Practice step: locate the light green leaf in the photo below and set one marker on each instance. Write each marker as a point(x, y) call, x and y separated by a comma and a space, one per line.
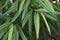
point(47, 25)
point(10, 32)
point(37, 24)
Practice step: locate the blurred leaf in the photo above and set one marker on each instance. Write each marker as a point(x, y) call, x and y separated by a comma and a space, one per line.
point(50, 16)
point(10, 32)
point(6, 24)
point(45, 34)
point(21, 33)
point(53, 29)
point(30, 14)
point(27, 16)
point(58, 23)
point(30, 25)
point(55, 7)
point(37, 24)
point(15, 33)
point(19, 12)
point(6, 2)
point(46, 4)
point(2, 32)
point(47, 25)
point(25, 8)
point(13, 8)
point(5, 36)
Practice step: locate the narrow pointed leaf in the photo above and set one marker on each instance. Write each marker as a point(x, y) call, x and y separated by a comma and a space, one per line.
point(37, 24)
point(19, 12)
point(10, 32)
point(13, 8)
point(46, 23)
point(30, 25)
point(5, 36)
point(25, 8)
point(46, 4)
point(21, 33)
point(15, 33)
point(50, 16)
point(6, 24)
point(6, 3)
point(26, 18)
point(2, 32)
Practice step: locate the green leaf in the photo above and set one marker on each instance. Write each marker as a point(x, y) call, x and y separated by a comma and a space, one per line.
point(30, 25)
point(58, 23)
point(10, 32)
point(1, 4)
point(15, 33)
point(19, 12)
point(47, 25)
point(3, 17)
point(50, 16)
point(24, 21)
point(45, 33)
point(41, 10)
point(6, 3)
point(21, 33)
point(13, 8)
point(6, 24)
point(25, 8)
point(53, 29)
point(37, 24)
point(2, 32)
point(55, 7)
point(46, 4)
point(5, 36)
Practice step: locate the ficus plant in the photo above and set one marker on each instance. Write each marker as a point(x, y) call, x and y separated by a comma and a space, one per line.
point(29, 19)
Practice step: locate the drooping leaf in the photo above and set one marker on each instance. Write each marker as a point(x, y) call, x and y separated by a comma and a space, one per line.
point(50, 16)
point(47, 25)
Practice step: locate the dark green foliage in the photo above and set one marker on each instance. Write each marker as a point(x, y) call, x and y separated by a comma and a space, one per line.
point(29, 19)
